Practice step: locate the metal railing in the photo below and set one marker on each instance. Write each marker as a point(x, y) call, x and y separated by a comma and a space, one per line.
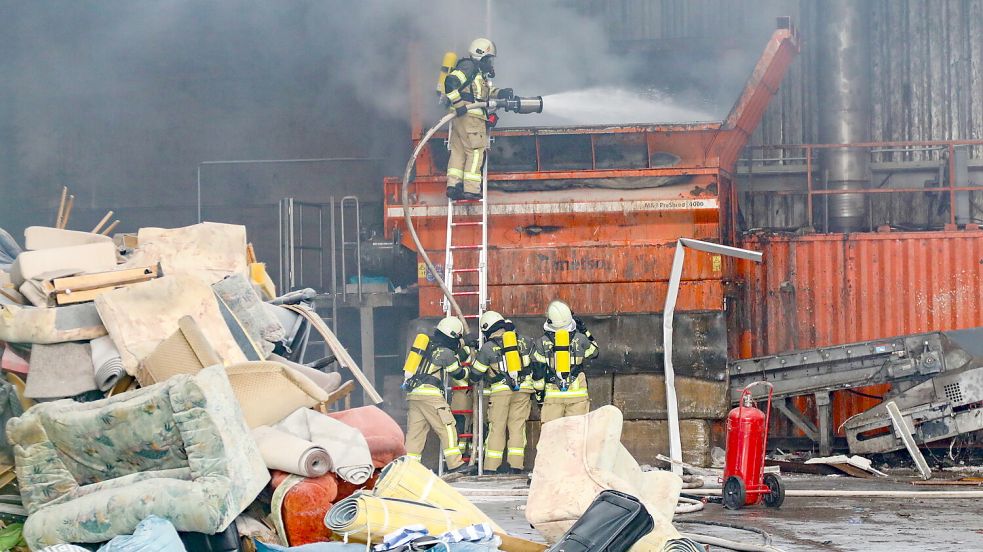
point(942, 151)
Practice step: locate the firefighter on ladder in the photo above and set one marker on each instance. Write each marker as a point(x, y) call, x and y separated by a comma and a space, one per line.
point(430, 358)
point(469, 82)
point(504, 362)
point(560, 357)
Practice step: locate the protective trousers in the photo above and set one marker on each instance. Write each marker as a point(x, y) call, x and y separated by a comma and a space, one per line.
point(463, 399)
point(554, 408)
point(507, 415)
point(426, 413)
point(468, 140)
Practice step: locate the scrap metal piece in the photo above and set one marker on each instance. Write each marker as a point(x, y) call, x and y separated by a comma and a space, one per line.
point(905, 431)
point(675, 277)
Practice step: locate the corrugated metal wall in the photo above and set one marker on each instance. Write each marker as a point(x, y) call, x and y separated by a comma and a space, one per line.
point(927, 59)
point(814, 291)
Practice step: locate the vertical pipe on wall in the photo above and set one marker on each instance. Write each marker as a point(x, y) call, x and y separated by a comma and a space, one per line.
point(844, 84)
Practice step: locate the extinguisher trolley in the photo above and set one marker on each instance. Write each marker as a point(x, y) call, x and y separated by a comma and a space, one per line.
point(745, 482)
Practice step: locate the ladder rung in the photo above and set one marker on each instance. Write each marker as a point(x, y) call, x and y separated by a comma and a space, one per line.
point(471, 316)
point(462, 411)
point(456, 293)
point(465, 270)
point(460, 387)
point(465, 435)
point(465, 247)
point(458, 201)
point(466, 223)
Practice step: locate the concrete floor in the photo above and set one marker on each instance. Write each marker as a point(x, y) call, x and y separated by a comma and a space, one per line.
point(877, 525)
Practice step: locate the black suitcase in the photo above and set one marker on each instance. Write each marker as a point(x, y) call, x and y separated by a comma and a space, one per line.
point(612, 523)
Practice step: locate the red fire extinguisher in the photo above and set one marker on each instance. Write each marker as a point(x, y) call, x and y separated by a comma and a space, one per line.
point(745, 481)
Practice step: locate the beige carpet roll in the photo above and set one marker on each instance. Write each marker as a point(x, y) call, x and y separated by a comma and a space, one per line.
point(285, 452)
point(349, 452)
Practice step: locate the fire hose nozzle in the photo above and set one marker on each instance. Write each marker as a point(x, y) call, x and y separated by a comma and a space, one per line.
point(521, 105)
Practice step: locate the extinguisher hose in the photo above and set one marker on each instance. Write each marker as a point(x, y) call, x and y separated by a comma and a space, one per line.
point(409, 220)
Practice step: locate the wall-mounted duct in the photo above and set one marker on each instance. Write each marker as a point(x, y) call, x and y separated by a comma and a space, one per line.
point(844, 99)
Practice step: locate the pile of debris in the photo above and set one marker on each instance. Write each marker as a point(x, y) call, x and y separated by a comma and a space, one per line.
point(154, 388)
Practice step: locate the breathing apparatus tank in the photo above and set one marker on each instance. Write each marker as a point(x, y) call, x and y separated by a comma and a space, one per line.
point(446, 66)
point(415, 357)
point(513, 361)
point(561, 357)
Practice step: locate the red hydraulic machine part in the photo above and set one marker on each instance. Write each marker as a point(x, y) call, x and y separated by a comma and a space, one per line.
point(745, 481)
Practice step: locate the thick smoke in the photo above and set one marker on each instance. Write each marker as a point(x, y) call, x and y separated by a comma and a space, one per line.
point(122, 99)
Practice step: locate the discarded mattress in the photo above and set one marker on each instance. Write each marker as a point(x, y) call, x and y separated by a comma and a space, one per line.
point(50, 325)
point(345, 445)
point(92, 257)
point(300, 505)
point(141, 316)
point(270, 391)
point(210, 251)
point(46, 237)
point(383, 435)
point(587, 449)
point(408, 479)
point(364, 517)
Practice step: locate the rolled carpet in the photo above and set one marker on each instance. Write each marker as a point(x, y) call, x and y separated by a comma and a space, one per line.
point(107, 362)
point(382, 433)
point(408, 479)
point(363, 517)
point(285, 452)
point(346, 446)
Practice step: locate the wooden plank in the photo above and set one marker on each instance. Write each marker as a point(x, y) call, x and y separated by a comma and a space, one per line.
point(74, 284)
point(61, 206)
point(516, 544)
point(68, 211)
point(81, 296)
point(943, 482)
point(104, 220)
point(110, 228)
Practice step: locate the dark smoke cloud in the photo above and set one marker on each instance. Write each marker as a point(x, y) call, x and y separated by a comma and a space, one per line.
point(121, 99)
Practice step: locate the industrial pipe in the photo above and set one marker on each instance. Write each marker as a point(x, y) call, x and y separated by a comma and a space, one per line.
point(844, 82)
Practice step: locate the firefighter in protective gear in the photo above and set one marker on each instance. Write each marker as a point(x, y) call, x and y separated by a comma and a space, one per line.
point(560, 357)
point(428, 361)
point(504, 361)
point(462, 399)
point(470, 82)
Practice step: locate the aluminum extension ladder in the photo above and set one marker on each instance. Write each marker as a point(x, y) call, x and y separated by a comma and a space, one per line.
point(466, 261)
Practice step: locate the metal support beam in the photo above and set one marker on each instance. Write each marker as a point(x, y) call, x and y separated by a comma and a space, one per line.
point(675, 277)
point(786, 407)
point(825, 415)
point(366, 317)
